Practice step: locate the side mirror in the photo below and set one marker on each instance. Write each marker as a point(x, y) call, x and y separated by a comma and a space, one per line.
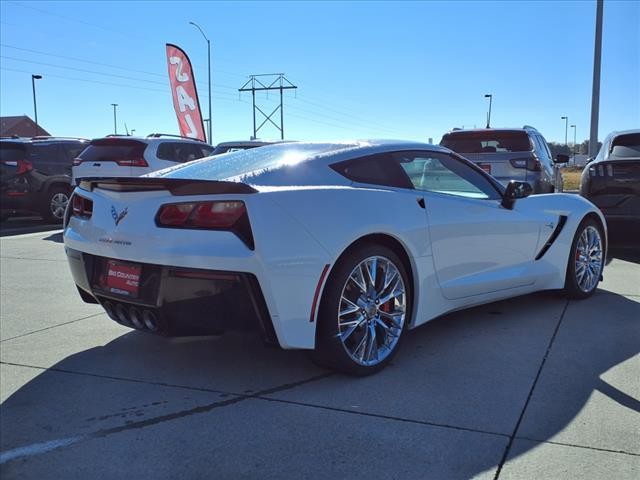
point(514, 191)
point(561, 158)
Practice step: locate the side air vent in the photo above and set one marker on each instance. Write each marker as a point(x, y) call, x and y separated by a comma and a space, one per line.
point(561, 221)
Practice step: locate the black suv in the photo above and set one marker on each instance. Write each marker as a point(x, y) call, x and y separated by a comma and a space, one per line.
point(35, 175)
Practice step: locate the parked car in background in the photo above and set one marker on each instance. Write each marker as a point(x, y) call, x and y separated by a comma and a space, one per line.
point(234, 146)
point(127, 156)
point(35, 175)
point(612, 181)
point(510, 154)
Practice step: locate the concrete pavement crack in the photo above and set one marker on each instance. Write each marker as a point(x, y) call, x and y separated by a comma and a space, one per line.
point(50, 327)
point(531, 390)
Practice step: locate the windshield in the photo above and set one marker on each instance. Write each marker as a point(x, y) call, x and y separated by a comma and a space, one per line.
point(487, 142)
point(626, 145)
point(248, 163)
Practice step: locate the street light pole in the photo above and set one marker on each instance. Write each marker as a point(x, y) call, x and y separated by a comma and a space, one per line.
point(595, 92)
point(574, 143)
point(115, 123)
point(566, 128)
point(209, 68)
point(35, 107)
point(490, 97)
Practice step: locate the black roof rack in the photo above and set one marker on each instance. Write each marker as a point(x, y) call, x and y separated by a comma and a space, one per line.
point(158, 135)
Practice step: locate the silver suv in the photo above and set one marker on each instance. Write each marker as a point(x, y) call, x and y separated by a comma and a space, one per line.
point(125, 156)
point(510, 154)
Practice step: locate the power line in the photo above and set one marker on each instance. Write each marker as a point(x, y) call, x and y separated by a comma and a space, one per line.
point(148, 89)
point(76, 59)
point(84, 70)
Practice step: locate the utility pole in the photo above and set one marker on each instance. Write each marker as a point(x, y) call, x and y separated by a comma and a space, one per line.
point(115, 124)
point(574, 144)
point(209, 65)
point(35, 107)
point(595, 94)
point(267, 82)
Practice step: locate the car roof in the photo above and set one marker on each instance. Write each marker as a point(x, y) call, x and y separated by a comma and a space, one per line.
point(41, 140)
point(458, 131)
point(617, 133)
point(250, 143)
point(154, 137)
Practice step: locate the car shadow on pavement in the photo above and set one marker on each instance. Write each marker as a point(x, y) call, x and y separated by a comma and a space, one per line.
point(467, 373)
point(55, 237)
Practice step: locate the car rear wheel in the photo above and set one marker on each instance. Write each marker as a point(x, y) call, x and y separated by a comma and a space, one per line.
point(586, 260)
point(364, 311)
point(55, 203)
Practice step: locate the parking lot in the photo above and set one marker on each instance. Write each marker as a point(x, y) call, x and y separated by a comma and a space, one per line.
point(533, 387)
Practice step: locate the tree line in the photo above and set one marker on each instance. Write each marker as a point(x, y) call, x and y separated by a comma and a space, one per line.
point(580, 148)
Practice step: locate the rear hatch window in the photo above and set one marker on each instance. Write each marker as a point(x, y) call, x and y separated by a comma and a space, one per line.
point(487, 142)
point(113, 150)
point(626, 146)
point(10, 153)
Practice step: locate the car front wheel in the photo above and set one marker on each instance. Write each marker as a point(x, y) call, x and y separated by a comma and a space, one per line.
point(586, 260)
point(364, 311)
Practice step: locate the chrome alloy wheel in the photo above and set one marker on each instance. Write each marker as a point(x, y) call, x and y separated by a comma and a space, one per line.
point(372, 310)
point(588, 257)
point(58, 204)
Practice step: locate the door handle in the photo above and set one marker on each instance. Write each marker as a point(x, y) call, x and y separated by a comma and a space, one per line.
point(421, 202)
point(96, 164)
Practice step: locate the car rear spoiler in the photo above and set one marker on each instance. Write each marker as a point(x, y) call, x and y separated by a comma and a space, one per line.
point(177, 186)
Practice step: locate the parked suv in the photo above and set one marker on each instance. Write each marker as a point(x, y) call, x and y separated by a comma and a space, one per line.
point(612, 182)
point(126, 156)
point(35, 174)
point(510, 154)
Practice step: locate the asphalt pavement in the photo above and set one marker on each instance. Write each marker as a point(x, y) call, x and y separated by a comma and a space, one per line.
point(533, 387)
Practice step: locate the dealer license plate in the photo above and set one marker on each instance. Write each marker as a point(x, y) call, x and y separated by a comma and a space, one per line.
point(121, 278)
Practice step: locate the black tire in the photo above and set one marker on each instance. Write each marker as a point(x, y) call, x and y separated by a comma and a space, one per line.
point(51, 201)
point(572, 288)
point(330, 351)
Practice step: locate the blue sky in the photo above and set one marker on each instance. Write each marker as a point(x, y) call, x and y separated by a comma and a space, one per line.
point(364, 69)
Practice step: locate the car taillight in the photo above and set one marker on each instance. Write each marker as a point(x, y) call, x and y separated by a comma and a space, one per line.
point(24, 166)
point(532, 164)
point(212, 215)
point(81, 207)
point(76, 162)
point(132, 162)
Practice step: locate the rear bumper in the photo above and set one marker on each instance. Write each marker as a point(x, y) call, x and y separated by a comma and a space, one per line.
point(177, 301)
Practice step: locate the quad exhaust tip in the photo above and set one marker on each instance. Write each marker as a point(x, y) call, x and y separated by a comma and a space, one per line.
point(132, 317)
point(150, 320)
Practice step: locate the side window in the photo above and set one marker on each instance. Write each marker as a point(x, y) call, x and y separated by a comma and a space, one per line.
point(441, 173)
point(186, 152)
point(44, 154)
point(379, 169)
point(72, 150)
point(206, 151)
point(543, 149)
point(167, 151)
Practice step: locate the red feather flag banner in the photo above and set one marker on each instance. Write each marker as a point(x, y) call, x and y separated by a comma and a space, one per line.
point(185, 93)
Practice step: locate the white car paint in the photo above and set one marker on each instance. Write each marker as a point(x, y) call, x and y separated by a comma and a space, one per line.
point(462, 251)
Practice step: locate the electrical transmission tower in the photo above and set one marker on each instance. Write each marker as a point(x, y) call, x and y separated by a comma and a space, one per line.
point(267, 82)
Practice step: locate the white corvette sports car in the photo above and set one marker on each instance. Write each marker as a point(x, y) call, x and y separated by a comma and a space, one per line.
point(339, 248)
